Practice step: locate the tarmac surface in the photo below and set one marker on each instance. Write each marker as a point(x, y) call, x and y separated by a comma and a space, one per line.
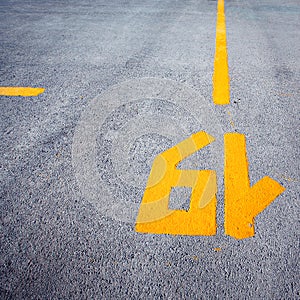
point(124, 81)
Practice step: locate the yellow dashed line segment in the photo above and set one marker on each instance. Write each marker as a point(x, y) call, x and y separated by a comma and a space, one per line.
point(20, 91)
point(221, 89)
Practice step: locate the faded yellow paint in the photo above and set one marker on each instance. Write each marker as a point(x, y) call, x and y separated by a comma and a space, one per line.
point(20, 91)
point(242, 202)
point(286, 177)
point(154, 214)
point(231, 120)
point(221, 89)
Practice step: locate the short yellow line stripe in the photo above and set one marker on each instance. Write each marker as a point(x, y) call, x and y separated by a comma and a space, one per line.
point(20, 91)
point(221, 89)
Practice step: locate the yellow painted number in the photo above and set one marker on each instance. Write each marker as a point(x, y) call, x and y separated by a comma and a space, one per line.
point(242, 202)
point(154, 215)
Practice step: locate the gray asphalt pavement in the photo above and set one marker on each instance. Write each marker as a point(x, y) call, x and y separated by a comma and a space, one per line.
point(124, 81)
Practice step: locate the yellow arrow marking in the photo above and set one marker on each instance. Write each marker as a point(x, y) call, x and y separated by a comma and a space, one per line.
point(20, 91)
point(221, 89)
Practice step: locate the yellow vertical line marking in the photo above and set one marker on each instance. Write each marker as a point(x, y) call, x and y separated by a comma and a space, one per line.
point(221, 89)
point(20, 91)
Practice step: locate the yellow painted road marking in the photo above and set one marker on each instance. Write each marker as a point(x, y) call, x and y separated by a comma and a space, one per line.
point(221, 89)
point(154, 214)
point(20, 91)
point(242, 202)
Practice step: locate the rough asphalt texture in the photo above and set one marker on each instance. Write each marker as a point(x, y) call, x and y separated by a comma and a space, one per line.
point(55, 242)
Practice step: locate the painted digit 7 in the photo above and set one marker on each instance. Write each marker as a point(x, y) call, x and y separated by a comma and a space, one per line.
point(154, 215)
